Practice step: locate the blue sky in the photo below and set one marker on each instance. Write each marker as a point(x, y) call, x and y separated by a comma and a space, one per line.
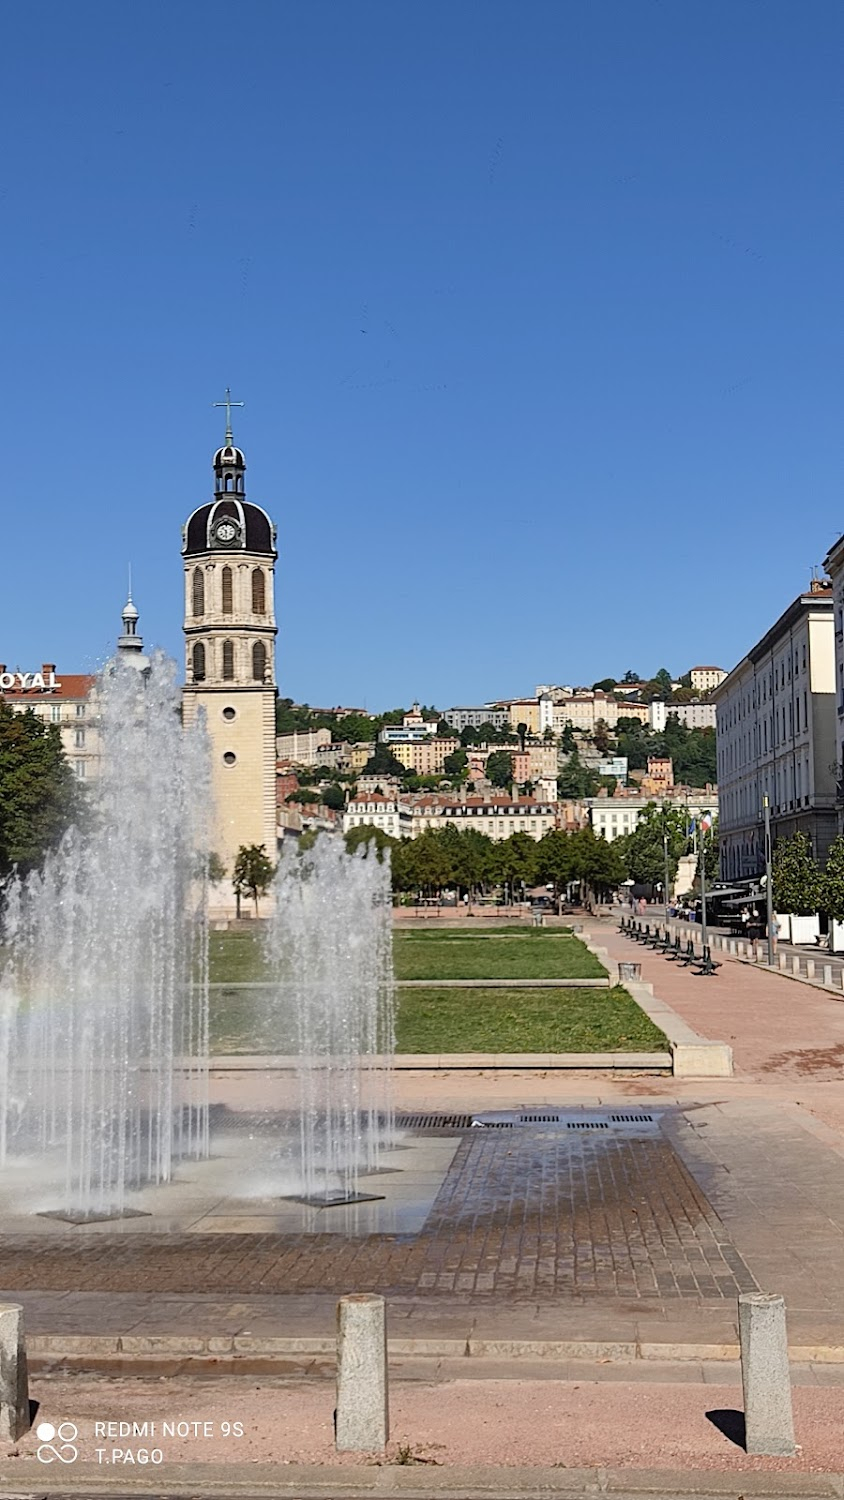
point(536, 310)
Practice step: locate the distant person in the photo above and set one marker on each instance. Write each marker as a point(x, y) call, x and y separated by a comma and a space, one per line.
point(776, 928)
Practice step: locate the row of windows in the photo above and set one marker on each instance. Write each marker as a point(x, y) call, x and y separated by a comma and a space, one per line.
point(259, 661)
point(259, 591)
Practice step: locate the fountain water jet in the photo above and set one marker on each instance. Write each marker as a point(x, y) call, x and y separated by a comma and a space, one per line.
point(104, 977)
point(329, 947)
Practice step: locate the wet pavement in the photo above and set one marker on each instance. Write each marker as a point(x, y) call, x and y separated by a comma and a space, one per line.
point(526, 1214)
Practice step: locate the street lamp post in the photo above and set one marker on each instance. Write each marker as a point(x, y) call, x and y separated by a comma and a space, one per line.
point(703, 889)
point(769, 889)
point(665, 870)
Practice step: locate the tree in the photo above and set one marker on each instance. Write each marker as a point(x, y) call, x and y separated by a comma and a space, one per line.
point(630, 677)
point(253, 872)
point(366, 834)
point(384, 763)
point(334, 797)
point(664, 678)
point(797, 881)
point(576, 780)
point(39, 798)
point(216, 868)
point(454, 765)
point(444, 729)
point(832, 888)
point(643, 849)
point(499, 768)
point(605, 685)
point(303, 794)
point(515, 860)
point(568, 743)
point(601, 737)
point(601, 864)
point(554, 859)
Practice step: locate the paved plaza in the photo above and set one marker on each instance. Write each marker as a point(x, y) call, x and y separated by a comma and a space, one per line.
point(511, 1253)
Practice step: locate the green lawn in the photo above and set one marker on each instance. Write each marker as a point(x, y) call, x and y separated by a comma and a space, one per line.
point(235, 957)
point(524, 1021)
point(532, 953)
point(478, 957)
point(433, 1020)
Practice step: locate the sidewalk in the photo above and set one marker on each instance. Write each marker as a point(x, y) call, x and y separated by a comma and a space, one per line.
point(464, 1436)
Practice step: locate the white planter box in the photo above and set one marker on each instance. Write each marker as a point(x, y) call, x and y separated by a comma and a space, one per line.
point(836, 936)
point(805, 929)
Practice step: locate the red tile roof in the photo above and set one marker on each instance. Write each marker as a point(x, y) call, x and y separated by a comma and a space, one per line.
point(68, 686)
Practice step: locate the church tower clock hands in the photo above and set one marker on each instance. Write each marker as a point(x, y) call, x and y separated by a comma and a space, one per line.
point(229, 551)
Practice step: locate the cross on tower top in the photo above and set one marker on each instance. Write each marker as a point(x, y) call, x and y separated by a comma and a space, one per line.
point(228, 404)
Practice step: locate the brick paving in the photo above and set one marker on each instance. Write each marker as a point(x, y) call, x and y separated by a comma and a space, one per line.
point(524, 1215)
point(776, 1027)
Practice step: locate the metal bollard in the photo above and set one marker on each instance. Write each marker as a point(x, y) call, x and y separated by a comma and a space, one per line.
point(765, 1377)
point(14, 1384)
point(361, 1421)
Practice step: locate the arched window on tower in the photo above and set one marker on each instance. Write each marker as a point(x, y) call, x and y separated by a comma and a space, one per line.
point(199, 662)
point(227, 591)
point(238, 484)
point(259, 592)
point(228, 483)
point(228, 661)
point(198, 592)
point(259, 661)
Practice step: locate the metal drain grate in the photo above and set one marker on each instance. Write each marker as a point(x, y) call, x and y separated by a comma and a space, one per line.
point(567, 1119)
point(433, 1122)
point(511, 1119)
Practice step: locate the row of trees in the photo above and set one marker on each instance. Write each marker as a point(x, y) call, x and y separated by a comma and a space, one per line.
point(800, 887)
point(474, 864)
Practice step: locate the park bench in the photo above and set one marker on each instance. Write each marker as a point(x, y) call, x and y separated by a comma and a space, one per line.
point(676, 948)
point(690, 956)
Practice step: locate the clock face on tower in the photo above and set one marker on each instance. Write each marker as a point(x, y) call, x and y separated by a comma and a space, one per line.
point(226, 531)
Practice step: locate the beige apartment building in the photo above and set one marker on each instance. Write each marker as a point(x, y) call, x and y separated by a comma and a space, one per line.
point(64, 699)
point(424, 757)
point(496, 816)
point(391, 814)
point(612, 817)
point(776, 736)
point(303, 746)
point(704, 679)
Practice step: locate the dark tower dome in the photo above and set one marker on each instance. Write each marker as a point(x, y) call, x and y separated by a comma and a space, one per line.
point(229, 457)
point(229, 523)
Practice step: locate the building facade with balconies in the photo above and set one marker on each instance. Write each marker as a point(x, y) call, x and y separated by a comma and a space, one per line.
point(776, 728)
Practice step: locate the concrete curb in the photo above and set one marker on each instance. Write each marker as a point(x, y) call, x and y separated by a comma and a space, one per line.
point(47, 1348)
point(382, 1478)
point(432, 1062)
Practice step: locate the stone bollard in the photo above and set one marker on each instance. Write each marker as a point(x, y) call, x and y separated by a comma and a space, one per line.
point(810, 968)
point(783, 960)
point(14, 1384)
point(795, 964)
point(361, 1421)
point(765, 1377)
point(827, 975)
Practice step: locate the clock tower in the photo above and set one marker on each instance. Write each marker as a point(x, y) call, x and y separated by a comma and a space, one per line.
point(229, 552)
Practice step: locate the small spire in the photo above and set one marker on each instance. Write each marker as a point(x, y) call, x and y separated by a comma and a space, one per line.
point(228, 404)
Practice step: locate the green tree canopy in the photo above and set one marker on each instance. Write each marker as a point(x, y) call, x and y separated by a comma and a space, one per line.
point(253, 872)
point(384, 763)
point(334, 797)
point(39, 798)
point(367, 833)
point(832, 881)
point(499, 768)
point(797, 881)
